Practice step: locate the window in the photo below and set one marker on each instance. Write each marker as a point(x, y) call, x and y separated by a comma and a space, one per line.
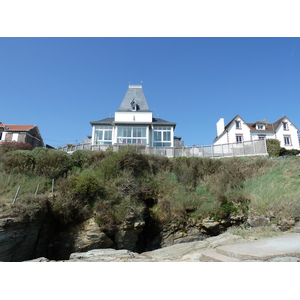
point(238, 125)
point(287, 140)
point(260, 126)
point(285, 126)
point(162, 137)
point(261, 136)
point(15, 137)
point(103, 135)
point(239, 138)
point(132, 135)
point(0, 135)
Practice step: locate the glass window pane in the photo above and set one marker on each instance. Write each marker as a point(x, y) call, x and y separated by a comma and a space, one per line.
point(167, 136)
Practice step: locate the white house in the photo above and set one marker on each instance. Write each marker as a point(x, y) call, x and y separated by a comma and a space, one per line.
point(237, 131)
point(133, 124)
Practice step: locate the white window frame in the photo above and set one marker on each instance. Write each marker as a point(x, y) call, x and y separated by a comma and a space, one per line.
point(15, 137)
point(132, 138)
point(105, 130)
point(260, 126)
point(164, 140)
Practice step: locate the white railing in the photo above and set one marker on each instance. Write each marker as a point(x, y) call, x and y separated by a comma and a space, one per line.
point(250, 148)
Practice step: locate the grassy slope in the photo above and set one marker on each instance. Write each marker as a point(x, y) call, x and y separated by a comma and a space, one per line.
point(108, 184)
point(276, 193)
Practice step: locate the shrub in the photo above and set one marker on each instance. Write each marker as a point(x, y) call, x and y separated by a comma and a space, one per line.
point(51, 163)
point(12, 146)
point(273, 147)
point(20, 161)
point(30, 207)
point(85, 158)
point(288, 152)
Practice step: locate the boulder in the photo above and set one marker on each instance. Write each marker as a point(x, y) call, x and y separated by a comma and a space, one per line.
point(258, 221)
point(79, 238)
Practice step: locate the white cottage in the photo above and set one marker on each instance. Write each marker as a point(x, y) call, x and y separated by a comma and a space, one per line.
point(133, 124)
point(237, 131)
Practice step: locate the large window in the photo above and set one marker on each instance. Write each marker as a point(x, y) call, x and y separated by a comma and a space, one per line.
point(287, 140)
point(162, 137)
point(103, 135)
point(239, 138)
point(132, 135)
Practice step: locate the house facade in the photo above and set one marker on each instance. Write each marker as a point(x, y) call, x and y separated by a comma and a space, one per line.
point(22, 134)
point(238, 131)
point(133, 124)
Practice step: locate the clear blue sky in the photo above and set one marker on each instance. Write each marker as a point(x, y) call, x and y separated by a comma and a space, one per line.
point(61, 84)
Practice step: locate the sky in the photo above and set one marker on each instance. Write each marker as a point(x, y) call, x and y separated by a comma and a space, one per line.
point(61, 84)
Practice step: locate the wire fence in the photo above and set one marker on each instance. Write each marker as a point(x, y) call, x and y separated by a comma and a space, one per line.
point(249, 148)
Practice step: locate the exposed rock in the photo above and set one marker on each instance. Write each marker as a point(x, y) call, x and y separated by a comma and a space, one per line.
point(79, 238)
point(105, 255)
point(179, 252)
point(40, 259)
point(286, 224)
point(285, 259)
point(258, 221)
point(22, 240)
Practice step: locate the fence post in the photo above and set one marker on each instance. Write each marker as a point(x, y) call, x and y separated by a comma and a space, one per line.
point(16, 196)
point(52, 188)
point(254, 148)
point(37, 189)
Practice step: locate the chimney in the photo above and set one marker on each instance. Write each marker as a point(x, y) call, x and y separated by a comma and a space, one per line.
point(220, 126)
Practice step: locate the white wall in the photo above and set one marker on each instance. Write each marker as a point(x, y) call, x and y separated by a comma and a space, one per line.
point(133, 117)
point(292, 132)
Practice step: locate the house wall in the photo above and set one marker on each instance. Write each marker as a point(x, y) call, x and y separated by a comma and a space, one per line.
point(268, 135)
point(292, 132)
point(232, 131)
point(133, 117)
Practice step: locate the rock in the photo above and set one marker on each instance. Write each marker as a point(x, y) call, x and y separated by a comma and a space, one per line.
point(284, 259)
point(104, 255)
point(40, 259)
point(258, 221)
point(286, 224)
point(127, 235)
point(79, 238)
point(23, 240)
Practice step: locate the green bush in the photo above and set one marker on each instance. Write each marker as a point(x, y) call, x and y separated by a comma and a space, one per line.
point(51, 163)
point(288, 152)
point(12, 146)
point(273, 147)
point(19, 161)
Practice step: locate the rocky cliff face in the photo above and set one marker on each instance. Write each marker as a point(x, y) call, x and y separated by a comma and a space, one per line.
point(23, 240)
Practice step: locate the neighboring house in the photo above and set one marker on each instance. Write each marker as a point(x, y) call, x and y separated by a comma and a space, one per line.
point(133, 124)
point(21, 133)
point(237, 131)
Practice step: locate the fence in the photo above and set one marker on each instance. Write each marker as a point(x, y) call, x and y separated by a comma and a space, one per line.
point(250, 148)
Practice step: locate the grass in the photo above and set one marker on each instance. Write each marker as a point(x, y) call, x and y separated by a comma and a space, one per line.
point(276, 193)
point(255, 232)
point(9, 184)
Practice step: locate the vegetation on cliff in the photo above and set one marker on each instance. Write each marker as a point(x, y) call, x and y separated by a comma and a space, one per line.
point(109, 184)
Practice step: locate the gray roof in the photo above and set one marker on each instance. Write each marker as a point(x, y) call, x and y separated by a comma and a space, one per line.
point(134, 92)
point(107, 121)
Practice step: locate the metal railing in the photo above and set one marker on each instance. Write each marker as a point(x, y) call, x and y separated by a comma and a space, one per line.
point(249, 148)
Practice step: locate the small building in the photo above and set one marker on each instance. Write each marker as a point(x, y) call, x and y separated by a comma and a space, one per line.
point(22, 134)
point(134, 124)
point(238, 131)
